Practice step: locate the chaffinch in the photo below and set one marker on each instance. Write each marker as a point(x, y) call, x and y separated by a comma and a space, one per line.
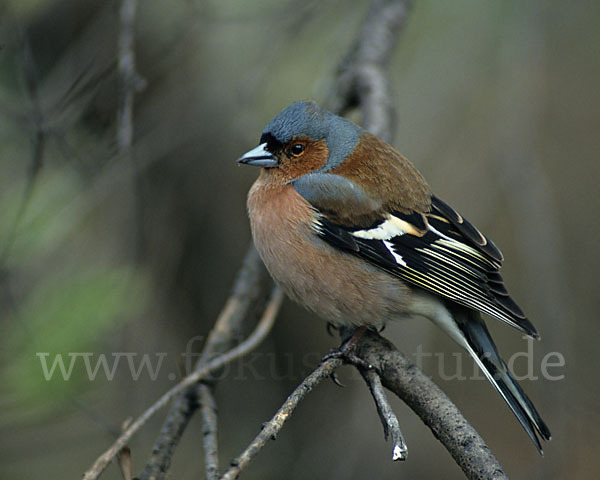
point(350, 229)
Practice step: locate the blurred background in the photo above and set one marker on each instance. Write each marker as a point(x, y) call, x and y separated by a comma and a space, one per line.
point(106, 256)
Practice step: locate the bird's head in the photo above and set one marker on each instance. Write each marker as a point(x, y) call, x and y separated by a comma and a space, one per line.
point(303, 138)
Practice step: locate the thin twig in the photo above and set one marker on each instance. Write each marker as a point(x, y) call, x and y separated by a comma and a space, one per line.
point(260, 332)
point(391, 426)
point(208, 411)
point(272, 427)
point(129, 84)
point(181, 411)
point(127, 75)
point(431, 404)
point(247, 290)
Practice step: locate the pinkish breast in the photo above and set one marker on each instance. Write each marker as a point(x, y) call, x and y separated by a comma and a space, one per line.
point(337, 286)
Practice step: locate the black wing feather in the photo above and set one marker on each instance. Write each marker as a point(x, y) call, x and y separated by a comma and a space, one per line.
point(468, 231)
point(442, 253)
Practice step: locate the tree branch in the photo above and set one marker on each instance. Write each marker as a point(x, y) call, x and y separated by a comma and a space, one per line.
point(129, 84)
point(260, 332)
point(181, 411)
point(427, 400)
point(393, 370)
point(128, 79)
point(388, 418)
point(272, 427)
point(248, 288)
point(208, 412)
point(362, 76)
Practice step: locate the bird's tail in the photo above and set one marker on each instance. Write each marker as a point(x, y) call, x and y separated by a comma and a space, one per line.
point(481, 347)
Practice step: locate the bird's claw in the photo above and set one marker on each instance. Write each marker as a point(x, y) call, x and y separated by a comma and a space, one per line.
point(347, 356)
point(336, 380)
point(330, 327)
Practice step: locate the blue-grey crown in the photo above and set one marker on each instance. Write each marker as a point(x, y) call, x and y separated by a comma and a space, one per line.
point(307, 119)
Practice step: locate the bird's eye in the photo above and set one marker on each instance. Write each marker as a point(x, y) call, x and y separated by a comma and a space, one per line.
point(296, 149)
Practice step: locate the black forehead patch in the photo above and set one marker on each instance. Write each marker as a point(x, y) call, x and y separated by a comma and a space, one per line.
point(272, 143)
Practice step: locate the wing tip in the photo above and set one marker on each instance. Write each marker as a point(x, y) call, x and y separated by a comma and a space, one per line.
point(518, 319)
point(525, 326)
point(482, 242)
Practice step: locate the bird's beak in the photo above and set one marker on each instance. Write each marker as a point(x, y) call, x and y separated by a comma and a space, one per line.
point(259, 157)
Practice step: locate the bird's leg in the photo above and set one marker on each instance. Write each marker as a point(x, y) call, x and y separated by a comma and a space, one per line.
point(346, 351)
point(349, 344)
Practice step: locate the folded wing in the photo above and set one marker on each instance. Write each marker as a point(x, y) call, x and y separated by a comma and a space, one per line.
point(438, 251)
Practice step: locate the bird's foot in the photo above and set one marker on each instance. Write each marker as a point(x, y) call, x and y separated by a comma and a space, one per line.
point(346, 352)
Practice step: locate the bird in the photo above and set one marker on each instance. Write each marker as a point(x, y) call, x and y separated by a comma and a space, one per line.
point(351, 230)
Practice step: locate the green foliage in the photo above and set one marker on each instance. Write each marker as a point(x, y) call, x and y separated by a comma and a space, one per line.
point(69, 314)
point(42, 221)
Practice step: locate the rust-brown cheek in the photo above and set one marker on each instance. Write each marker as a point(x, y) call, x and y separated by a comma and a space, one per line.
point(315, 156)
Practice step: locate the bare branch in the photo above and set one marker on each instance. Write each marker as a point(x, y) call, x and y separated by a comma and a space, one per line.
point(388, 418)
point(247, 290)
point(273, 426)
point(427, 400)
point(128, 80)
point(182, 410)
point(362, 78)
point(208, 412)
point(257, 336)
point(129, 84)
